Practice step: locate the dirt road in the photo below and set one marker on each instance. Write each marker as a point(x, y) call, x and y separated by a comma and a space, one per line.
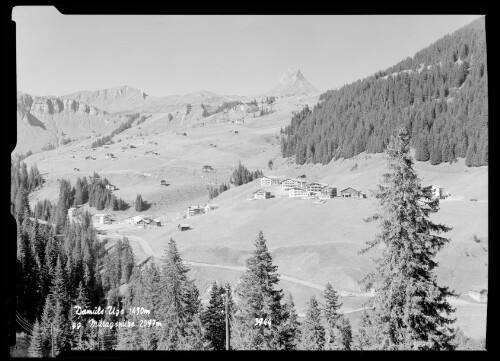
point(148, 250)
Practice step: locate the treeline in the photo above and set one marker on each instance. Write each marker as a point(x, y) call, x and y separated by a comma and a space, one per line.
point(440, 94)
point(57, 273)
point(53, 274)
point(93, 193)
point(22, 182)
point(242, 175)
point(18, 157)
point(119, 265)
point(227, 105)
point(214, 191)
point(107, 139)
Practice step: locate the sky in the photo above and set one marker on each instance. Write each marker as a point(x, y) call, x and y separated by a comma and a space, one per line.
point(231, 55)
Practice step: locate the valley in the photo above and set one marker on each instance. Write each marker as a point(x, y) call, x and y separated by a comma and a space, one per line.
point(311, 244)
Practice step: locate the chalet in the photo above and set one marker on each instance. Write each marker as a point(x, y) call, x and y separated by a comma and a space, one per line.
point(100, 218)
point(109, 155)
point(183, 227)
point(438, 192)
point(479, 295)
point(194, 210)
point(269, 181)
point(298, 192)
point(315, 187)
point(76, 169)
point(110, 187)
point(137, 219)
point(164, 183)
point(207, 169)
point(288, 184)
point(350, 192)
point(261, 194)
point(299, 183)
point(155, 223)
point(328, 192)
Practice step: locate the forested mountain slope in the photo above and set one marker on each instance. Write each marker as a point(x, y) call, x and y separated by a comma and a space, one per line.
point(441, 94)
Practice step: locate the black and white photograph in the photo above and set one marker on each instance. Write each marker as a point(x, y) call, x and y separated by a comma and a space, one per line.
point(249, 182)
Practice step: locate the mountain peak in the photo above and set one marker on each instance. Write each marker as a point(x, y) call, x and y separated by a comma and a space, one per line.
point(293, 82)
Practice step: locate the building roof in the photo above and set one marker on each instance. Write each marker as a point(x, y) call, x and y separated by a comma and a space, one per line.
point(348, 189)
point(184, 225)
point(100, 215)
point(261, 191)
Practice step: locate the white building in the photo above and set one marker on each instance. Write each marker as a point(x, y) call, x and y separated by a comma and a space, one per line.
point(269, 181)
point(298, 192)
point(100, 218)
point(438, 192)
point(261, 194)
point(288, 184)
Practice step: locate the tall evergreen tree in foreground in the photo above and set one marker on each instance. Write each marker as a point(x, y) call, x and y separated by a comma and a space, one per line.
point(213, 318)
point(410, 308)
point(332, 316)
point(313, 332)
point(291, 327)
point(180, 305)
point(259, 297)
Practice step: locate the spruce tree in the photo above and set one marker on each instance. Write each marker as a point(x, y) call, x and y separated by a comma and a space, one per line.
point(290, 329)
point(259, 297)
point(410, 308)
point(22, 206)
point(139, 204)
point(177, 294)
point(330, 310)
point(38, 344)
point(344, 338)
point(313, 332)
point(213, 319)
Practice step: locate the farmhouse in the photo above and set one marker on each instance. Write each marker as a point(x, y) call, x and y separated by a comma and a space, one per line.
point(350, 192)
point(328, 192)
point(194, 210)
point(261, 194)
point(164, 183)
point(100, 218)
point(183, 227)
point(298, 192)
point(269, 181)
point(155, 223)
point(207, 169)
point(146, 222)
point(438, 192)
point(479, 295)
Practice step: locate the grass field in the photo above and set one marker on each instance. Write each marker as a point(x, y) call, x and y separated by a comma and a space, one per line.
point(317, 243)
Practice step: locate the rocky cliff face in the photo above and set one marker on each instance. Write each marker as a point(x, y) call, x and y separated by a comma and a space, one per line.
point(48, 120)
point(292, 83)
point(113, 100)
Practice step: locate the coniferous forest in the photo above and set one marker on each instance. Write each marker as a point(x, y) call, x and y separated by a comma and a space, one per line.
point(63, 264)
point(434, 103)
point(440, 94)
